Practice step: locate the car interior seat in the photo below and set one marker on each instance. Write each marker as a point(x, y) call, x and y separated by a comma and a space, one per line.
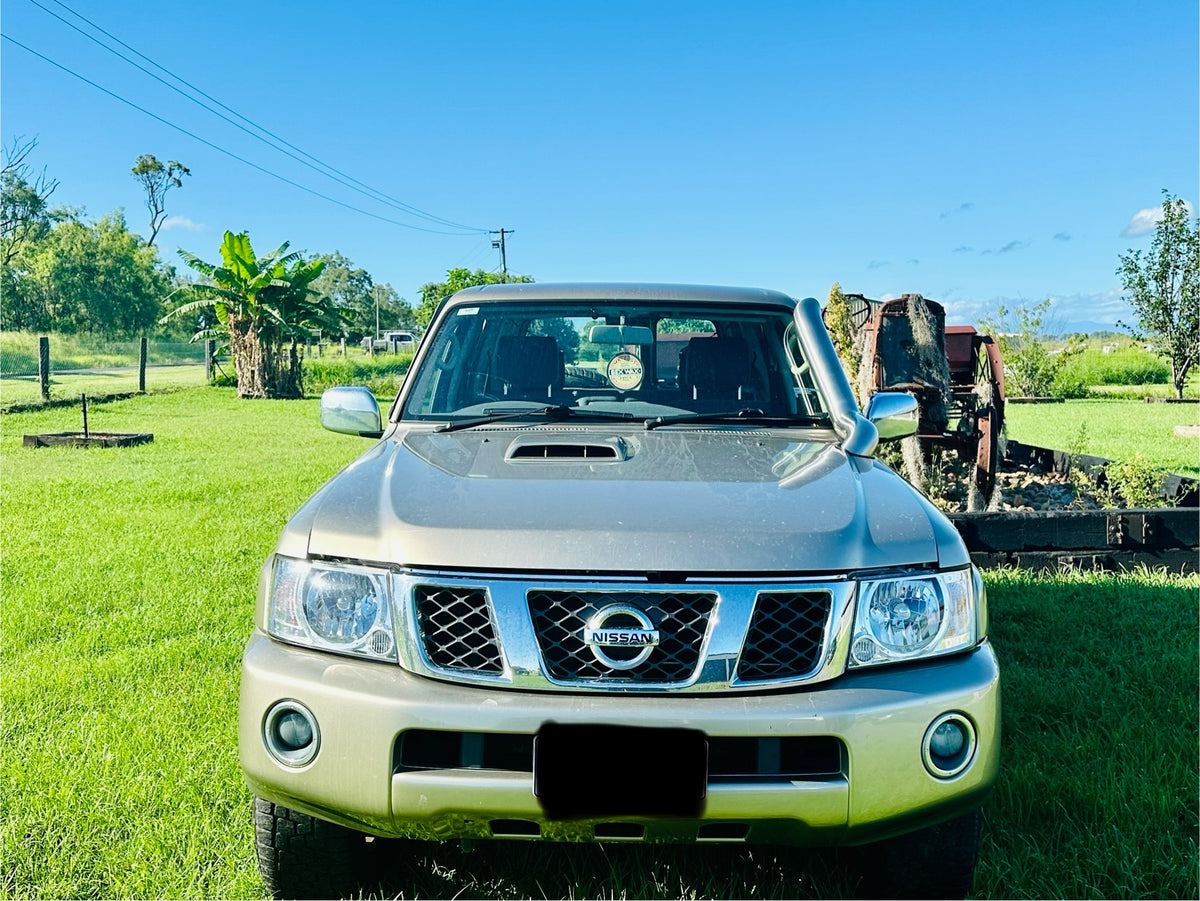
point(716, 368)
point(529, 367)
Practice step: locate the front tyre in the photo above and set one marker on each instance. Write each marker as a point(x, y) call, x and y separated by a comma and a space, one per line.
point(935, 862)
point(300, 856)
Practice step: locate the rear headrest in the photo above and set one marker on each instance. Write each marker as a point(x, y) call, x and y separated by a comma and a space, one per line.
point(715, 366)
point(531, 365)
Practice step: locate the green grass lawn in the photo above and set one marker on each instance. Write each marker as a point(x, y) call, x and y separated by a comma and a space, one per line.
point(1116, 429)
point(128, 576)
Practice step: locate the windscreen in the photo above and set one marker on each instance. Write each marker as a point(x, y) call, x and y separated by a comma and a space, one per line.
point(644, 359)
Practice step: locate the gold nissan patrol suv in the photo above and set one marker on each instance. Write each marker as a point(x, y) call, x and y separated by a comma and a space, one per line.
point(620, 565)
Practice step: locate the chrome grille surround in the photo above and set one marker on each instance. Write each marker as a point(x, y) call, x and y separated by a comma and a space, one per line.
point(519, 651)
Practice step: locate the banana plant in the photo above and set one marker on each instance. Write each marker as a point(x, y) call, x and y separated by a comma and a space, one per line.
point(266, 306)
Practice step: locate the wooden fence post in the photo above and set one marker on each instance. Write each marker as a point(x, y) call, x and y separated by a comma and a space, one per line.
point(210, 349)
point(44, 366)
point(142, 354)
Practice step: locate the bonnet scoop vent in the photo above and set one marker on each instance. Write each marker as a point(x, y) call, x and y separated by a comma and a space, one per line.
point(566, 450)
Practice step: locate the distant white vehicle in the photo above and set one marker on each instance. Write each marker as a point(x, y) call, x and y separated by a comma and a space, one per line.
point(395, 341)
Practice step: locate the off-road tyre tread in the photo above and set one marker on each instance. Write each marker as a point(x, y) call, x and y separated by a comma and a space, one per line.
point(300, 856)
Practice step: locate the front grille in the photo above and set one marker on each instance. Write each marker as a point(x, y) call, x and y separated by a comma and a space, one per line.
point(681, 619)
point(456, 629)
point(785, 636)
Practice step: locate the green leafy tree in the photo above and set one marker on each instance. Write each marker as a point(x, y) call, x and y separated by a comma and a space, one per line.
point(267, 307)
point(563, 333)
point(1164, 289)
point(81, 277)
point(1031, 366)
point(156, 180)
point(433, 293)
point(356, 295)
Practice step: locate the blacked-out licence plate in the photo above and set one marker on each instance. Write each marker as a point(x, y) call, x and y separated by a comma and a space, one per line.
point(583, 771)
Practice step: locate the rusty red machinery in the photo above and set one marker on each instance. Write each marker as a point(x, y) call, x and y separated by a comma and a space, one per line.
point(955, 372)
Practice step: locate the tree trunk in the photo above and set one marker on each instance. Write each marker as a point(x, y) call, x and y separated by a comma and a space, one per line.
point(248, 359)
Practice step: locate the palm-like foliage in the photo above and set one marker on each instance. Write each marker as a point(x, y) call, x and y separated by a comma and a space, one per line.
point(266, 306)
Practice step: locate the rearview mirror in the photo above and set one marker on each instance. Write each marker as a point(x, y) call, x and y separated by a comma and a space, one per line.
point(620, 334)
point(351, 410)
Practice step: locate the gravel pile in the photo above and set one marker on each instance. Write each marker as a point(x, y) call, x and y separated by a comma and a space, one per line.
point(1029, 491)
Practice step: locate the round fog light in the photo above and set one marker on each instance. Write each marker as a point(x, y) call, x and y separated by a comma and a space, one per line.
point(290, 734)
point(949, 745)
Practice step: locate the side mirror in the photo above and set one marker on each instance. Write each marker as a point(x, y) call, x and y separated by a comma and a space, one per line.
point(351, 411)
point(894, 414)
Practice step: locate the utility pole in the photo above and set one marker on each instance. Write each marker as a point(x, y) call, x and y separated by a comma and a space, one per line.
point(499, 243)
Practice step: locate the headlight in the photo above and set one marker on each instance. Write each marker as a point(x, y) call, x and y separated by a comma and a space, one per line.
point(917, 616)
point(332, 607)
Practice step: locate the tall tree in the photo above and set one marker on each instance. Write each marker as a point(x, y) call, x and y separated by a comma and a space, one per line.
point(86, 277)
point(25, 214)
point(157, 179)
point(433, 293)
point(1164, 289)
point(267, 307)
point(352, 291)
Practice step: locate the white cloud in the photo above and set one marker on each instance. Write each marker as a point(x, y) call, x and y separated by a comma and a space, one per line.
point(183, 222)
point(1144, 221)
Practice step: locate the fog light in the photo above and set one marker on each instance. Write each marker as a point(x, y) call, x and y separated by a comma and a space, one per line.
point(949, 745)
point(290, 734)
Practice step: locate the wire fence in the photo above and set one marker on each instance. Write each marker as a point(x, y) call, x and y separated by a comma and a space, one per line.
point(88, 365)
point(73, 353)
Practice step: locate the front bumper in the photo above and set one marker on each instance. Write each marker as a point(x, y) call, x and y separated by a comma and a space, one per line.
point(879, 716)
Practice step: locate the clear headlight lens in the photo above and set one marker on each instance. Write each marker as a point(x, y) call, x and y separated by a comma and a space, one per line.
point(918, 616)
point(332, 607)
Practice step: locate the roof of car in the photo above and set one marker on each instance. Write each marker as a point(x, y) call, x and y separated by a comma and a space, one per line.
point(572, 291)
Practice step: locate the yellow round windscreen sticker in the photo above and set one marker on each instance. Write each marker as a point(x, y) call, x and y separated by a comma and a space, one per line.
point(625, 372)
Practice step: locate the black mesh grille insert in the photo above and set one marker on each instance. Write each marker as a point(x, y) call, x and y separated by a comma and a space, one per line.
point(785, 636)
point(456, 628)
point(680, 618)
point(730, 758)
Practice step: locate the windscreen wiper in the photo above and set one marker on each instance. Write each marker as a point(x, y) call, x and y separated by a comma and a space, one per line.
point(549, 411)
point(745, 414)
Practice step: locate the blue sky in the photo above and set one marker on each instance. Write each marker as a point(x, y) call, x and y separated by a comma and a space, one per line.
point(976, 153)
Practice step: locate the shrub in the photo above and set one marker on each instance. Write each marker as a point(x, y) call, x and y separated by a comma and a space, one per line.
point(1031, 367)
point(382, 374)
point(1137, 482)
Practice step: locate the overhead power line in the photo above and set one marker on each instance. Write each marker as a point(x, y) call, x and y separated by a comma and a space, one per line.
point(222, 150)
point(334, 173)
